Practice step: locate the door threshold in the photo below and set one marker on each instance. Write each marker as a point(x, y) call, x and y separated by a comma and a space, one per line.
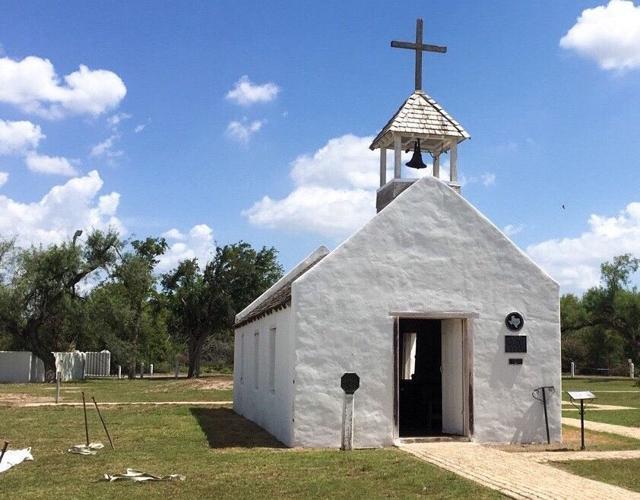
point(434, 439)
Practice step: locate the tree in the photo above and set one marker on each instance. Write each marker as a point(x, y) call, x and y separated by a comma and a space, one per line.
point(604, 325)
point(126, 306)
point(43, 297)
point(204, 303)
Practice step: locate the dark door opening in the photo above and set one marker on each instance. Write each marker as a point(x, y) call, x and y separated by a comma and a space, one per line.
point(420, 377)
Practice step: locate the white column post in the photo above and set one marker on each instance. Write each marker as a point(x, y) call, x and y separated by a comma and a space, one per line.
point(573, 369)
point(453, 162)
point(151, 369)
point(397, 164)
point(436, 166)
point(347, 423)
point(383, 166)
point(119, 372)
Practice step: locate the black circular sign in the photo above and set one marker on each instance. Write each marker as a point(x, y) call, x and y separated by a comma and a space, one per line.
point(514, 321)
point(350, 382)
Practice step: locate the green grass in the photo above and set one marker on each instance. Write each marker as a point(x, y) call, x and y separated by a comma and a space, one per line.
point(599, 383)
point(115, 390)
point(221, 454)
point(630, 418)
point(625, 473)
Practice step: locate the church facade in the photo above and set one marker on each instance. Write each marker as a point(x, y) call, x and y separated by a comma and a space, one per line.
point(452, 330)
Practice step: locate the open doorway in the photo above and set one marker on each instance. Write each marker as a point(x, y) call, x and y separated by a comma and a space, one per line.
point(430, 377)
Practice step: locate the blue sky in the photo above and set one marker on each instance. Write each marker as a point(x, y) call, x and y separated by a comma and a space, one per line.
point(154, 144)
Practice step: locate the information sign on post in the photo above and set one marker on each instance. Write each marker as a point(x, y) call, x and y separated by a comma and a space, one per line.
point(581, 396)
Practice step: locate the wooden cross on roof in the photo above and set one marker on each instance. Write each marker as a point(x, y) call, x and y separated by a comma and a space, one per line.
point(418, 47)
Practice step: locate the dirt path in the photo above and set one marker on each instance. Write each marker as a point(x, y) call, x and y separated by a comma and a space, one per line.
point(130, 403)
point(621, 430)
point(513, 474)
point(567, 456)
point(566, 406)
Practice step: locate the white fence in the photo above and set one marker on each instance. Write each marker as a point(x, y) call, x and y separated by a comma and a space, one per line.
point(23, 366)
point(70, 365)
point(97, 364)
point(20, 367)
point(77, 365)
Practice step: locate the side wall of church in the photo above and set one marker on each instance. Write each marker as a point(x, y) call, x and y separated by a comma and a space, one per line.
point(262, 373)
point(429, 250)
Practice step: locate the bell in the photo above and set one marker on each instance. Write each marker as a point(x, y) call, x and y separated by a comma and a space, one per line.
point(416, 159)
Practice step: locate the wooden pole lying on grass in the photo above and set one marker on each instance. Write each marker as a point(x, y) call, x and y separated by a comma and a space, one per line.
point(103, 423)
point(4, 450)
point(86, 425)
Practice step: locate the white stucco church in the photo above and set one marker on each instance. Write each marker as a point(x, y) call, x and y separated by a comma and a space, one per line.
point(448, 324)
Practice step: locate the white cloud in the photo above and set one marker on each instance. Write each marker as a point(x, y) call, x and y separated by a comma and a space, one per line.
point(64, 209)
point(512, 229)
point(334, 190)
point(107, 148)
point(33, 86)
point(4, 177)
point(608, 34)
point(18, 137)
point(173, 234)
point(139, 128)
point(328, 211)
point(50, 165)
point(245, 93)
point(242, 131)
point(488, 179)
point(114, 120)
point(197, 243)
point(575, 262)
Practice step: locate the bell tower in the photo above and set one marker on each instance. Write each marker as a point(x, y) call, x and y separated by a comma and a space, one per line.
point(421, 125)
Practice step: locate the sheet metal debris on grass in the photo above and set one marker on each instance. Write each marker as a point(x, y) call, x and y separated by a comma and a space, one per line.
point(139, 476)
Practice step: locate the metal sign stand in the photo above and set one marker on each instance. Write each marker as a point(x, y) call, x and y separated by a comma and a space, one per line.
point(544, 390)
point(581, 396)
point(350, 382)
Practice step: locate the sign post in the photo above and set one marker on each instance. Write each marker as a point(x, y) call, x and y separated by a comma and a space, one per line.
point(350, 382)
point(581, 396)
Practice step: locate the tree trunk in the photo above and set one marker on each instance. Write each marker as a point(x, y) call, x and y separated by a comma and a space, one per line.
point(41, 351)
point(195, 352)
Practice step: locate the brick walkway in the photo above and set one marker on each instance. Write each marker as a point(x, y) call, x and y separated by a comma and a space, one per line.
point(513, 474)
point(621, 430)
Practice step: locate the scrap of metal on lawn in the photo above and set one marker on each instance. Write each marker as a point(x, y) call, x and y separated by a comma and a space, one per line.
point(84, 449)
point(138, 476)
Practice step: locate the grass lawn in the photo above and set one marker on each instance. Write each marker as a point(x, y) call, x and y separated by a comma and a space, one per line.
point(213, 388)
point(595, 441)
point(625, 473)
point(630, 418)
point(221, 454)
point(599, 384)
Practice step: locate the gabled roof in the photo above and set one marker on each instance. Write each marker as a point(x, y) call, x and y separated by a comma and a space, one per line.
point(279, 295)
point(420, 115)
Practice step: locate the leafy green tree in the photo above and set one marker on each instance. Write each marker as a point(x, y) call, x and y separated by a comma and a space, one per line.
point(603, 327)
point(203, 303)
point(126, 307)
point(42, 303)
